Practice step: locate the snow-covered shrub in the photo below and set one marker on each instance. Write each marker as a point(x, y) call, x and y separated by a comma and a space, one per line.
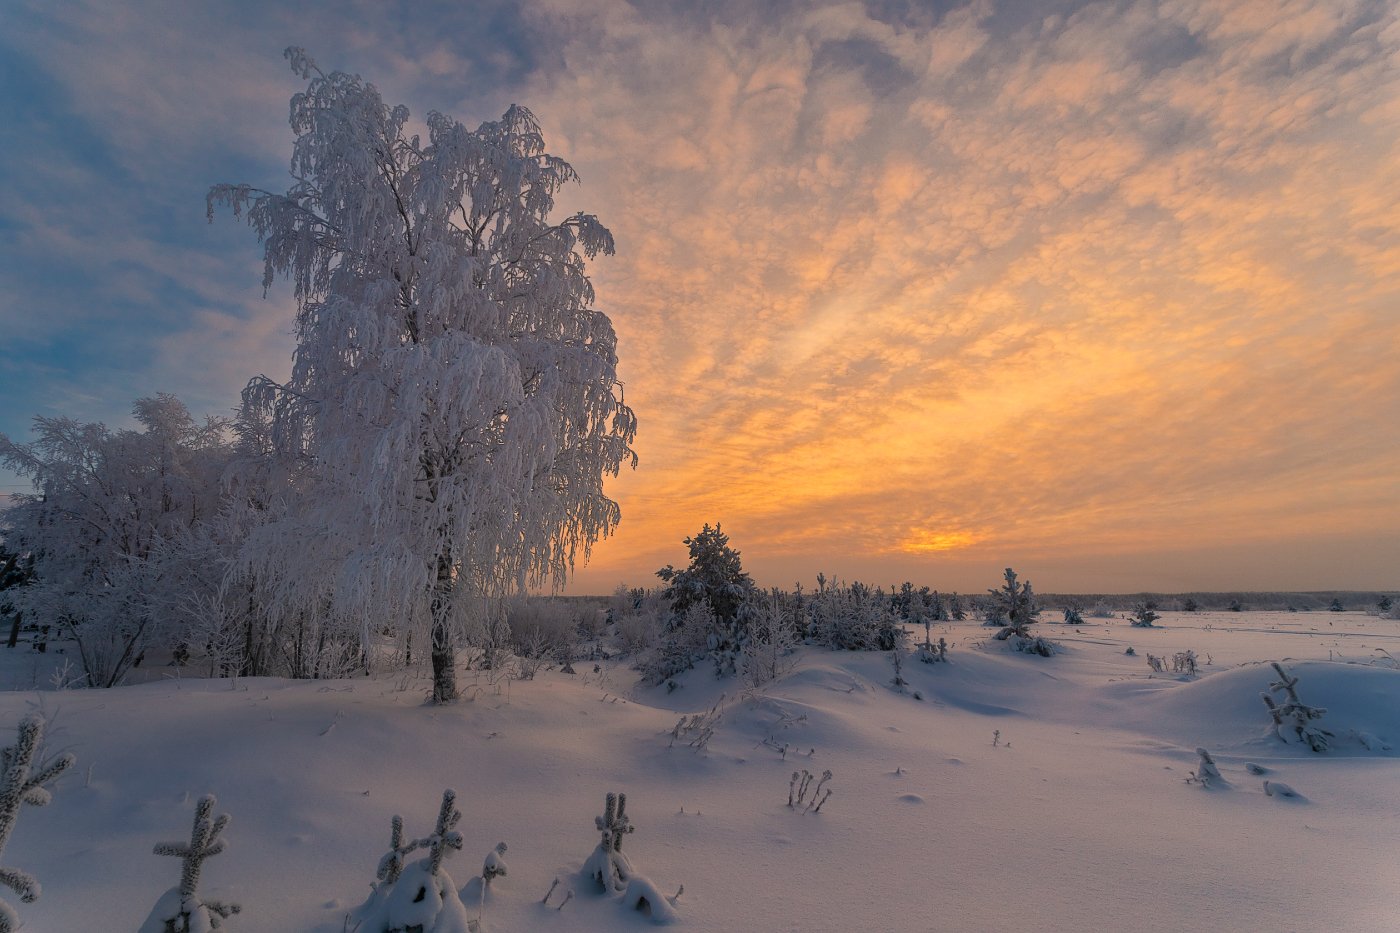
point(1074, 614)
point(22, 782)
point(1184, 662)
point(494, 865)
point(608, 866)
point(773, 638)
point(685, 641)
point(1293, 715)
point(643, 895)
point(1157, 664)
point(639, 620)
point(181, 909)
point(102, 501)
point(1101, 610)
point(852, 618)
point(542, 626)
point(697, 729)
point(1144, 614)
point(1190, 605)
point(801, 784)
point(1206, 771)
point(420, 896)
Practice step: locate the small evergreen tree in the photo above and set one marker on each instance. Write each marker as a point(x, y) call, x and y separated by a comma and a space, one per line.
point(715, 578)
point(1336, 606)
point(608, 866)
point(417, 896)
point(1144, 614)
point(1293, 714)
point(956, 612)
point(1014, 602)
point(181, 909)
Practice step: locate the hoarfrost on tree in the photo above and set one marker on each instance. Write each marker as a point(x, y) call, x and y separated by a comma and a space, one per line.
point(454, 403)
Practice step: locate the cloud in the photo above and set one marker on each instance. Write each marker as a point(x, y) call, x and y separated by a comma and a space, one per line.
point(898, 294)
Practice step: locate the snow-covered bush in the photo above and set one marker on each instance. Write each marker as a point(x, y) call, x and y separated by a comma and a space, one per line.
point(542, 626)
point(1206, 771)
point(1074, 615)
point(22, 782)
point(1144, 614)
point(608, 866)
point(801, 784)
point(638, 619)
point(494, 865)
point(1293, 715)
point(642, 895)
point(686, 639)
point(852, 618)
point(420, 896)
point(1184, 662)
point(102, 502)
point(772, 640)
point(181, 909)
point(1101, 610)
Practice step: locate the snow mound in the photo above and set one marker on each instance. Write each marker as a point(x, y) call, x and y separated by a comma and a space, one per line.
point(1224, 710)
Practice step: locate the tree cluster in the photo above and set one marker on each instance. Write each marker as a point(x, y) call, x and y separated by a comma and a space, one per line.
point(441, 443)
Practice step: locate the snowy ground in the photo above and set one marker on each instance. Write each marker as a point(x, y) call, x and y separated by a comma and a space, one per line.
point(1080, 818)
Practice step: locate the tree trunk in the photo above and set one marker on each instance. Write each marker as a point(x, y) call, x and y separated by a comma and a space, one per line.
point(444, 656)
point(14, 629)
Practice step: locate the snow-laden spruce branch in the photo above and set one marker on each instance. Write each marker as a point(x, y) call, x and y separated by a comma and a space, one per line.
point(21, 782)
point(453, 405)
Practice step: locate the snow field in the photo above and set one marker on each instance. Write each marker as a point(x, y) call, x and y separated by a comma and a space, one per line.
point(1080, 817)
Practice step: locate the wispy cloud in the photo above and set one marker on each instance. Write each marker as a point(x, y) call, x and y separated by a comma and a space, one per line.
point(908, 295)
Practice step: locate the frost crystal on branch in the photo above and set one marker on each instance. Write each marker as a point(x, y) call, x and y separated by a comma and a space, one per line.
point(21, 784)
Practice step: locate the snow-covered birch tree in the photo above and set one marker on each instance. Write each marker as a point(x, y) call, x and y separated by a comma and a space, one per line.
point(453, 404)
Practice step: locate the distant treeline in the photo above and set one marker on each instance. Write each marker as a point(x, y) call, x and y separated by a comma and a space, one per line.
point(1318, 600)
point(1351, 600)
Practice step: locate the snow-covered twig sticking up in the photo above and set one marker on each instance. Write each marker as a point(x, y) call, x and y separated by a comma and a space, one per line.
point(817, 798)
point(19, 786)
point(391, 865)
point(607, 865)
point(181, 910)
point(444, 837)
point(495, 865)
point(1206, 771)
point(1298, 714)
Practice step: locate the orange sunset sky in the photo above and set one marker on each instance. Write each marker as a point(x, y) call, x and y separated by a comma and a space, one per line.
point(1108, 292)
